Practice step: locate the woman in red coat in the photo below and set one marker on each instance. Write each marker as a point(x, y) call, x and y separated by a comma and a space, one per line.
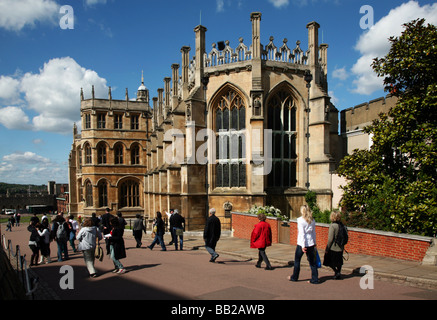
point(261, 238)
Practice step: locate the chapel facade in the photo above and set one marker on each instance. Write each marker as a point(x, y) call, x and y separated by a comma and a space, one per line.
point(231, 128)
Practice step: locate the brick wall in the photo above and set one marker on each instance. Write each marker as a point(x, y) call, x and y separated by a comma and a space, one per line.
point(361, 241)
point(243, 224)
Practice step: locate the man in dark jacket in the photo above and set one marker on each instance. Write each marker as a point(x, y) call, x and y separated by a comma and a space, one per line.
point(178, 223)
point(211, 234)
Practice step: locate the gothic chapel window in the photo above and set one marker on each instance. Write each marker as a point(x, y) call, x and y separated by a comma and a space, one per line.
point(230, 125)
point(281, 119)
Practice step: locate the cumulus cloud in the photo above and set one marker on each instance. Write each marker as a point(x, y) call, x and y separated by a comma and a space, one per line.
point(25, 158)
point(17, 14)
point(14, 118)
point(340, 73)
point(374, 42)
point(52, 94)
point(9, 90)
point(29, 167)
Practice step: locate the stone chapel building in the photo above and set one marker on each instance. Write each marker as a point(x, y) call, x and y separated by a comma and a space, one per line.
point(231, 128)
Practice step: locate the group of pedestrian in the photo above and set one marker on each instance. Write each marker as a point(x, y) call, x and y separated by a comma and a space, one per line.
point(111, 229)
point(261, 238)
point(12, 221)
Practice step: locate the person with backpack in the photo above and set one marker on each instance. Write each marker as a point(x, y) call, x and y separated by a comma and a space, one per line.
point(60, 232)
point(88, 236)
point(337, 239)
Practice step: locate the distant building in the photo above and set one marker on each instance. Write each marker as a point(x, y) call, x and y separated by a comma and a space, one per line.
point(352, 124)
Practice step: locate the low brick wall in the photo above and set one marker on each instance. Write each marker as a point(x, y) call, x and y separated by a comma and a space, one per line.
point(361, 241)
point(242, 226)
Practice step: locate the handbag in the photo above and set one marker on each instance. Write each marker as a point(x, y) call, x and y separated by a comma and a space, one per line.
point(179, 232)
point(99, 253)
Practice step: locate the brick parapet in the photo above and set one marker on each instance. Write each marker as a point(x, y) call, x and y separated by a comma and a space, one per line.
point(361, 241)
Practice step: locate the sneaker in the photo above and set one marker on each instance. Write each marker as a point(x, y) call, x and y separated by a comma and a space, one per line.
point(122, 271)
point(115, 270)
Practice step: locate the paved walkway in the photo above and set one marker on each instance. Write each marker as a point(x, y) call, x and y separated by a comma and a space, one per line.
point(411, 273)
point(399, 271)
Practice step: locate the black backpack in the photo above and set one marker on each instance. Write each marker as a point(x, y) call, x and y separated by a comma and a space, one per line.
point(342, 236)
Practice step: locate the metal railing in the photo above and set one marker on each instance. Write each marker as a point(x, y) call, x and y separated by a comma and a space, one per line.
point(29, 283)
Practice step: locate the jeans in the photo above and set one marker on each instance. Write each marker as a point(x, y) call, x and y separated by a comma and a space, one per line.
point(262, 256)
point(89, 257)
point(62, 248)
point(312, 261)
point(211, 251)
point(175, 239)
point(159, 238)
point(117, 263)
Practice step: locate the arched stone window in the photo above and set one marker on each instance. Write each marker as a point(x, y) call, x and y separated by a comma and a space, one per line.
point(101, 153)
point(230, 125)
point(129, 191)
point(88, 155)
point(135, 154)
point(281, 119)
point(118, 153)
point(88, 194)
point(103, 193)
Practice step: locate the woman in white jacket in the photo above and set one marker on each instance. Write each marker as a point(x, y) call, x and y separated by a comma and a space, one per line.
point(306, 243)
point(87, 237)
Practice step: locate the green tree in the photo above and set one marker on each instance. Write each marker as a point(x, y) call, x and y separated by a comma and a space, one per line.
point(394, 183)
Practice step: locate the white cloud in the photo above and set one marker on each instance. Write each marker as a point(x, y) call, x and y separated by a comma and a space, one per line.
point(31, 168)
point(14, 118)
point(94, 2)
point(340, 73)
point(25, 158)
point(16, 14)
point(279, 3)
point(9, 90)
point(374, 42)
point(334, 99)
point(53, 94)
point(220, 5)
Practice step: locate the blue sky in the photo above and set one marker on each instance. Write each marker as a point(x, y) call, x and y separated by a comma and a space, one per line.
point(43, 65)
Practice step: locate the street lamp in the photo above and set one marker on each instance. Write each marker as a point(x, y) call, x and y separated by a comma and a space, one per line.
point(308, 78)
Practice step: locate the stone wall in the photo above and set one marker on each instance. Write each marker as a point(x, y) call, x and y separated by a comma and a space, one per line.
point(20, 201)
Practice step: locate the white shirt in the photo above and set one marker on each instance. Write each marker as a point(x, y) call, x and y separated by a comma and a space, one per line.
point(306, 233)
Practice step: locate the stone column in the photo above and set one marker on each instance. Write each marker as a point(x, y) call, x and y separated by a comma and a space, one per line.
point(200, 53)
point(175, 88)
point(185, 66)
point(167, 101)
